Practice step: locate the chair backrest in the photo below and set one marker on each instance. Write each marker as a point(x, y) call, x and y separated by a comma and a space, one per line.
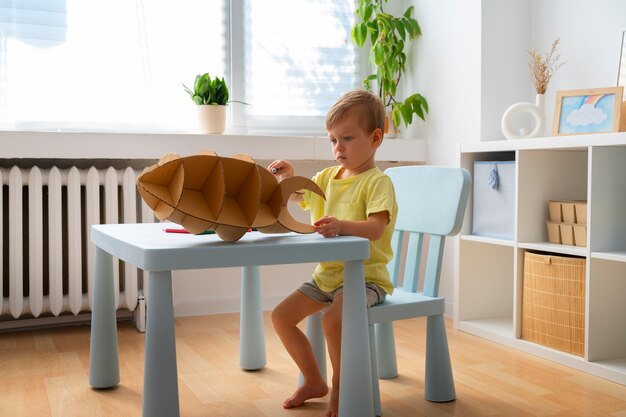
point(431, 201)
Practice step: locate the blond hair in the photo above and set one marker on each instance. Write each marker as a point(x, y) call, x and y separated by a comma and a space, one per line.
point(370, 107)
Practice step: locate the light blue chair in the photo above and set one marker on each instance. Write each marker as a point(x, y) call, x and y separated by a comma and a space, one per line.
point(431, 201)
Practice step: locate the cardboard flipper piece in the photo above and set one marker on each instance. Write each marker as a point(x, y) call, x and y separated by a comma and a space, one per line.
point(228, 195)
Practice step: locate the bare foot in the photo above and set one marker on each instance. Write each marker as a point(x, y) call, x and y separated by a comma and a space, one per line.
point(304, 393)
point(333, 404)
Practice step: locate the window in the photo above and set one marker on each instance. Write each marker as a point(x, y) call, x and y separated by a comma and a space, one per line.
point(299, 60)
point(119, 65)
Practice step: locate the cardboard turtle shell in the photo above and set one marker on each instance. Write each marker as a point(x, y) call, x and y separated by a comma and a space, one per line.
point(227, 195)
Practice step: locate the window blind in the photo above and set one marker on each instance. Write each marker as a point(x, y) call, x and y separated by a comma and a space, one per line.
point(119, 65)
point(298, 60)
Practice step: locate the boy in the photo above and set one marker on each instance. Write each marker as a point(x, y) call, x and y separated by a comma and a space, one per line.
point(360, 201)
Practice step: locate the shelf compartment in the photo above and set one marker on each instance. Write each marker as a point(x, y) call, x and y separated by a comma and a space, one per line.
point(485, 281)
point(467, 161)
point(612, 369)
point(498, 329)
point(608, 205)
point(543, 176)
point(606, 310)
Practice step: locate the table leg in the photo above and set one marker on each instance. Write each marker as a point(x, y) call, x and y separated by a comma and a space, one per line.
point(315, 334)
point(160, 376)
point(104, 368)
point(251, 334)
point(355, 387)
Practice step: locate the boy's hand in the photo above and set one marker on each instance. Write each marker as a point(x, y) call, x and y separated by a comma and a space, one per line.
point(328, 226)
point(372, 228)
point(281, 169)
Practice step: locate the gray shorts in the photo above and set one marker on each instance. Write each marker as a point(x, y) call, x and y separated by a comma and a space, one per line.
point(374, 293)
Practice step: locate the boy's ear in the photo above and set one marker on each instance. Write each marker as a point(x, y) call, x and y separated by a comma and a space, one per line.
point(377, 137)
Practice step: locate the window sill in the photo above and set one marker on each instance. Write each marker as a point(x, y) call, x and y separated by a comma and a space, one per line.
point(77, 145)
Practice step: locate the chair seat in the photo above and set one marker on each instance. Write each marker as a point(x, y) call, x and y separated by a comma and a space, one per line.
point(404, 305)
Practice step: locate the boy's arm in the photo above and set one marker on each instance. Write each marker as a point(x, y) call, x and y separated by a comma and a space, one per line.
point(372, 228)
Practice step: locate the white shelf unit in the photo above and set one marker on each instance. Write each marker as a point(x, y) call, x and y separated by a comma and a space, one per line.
point(489, 274)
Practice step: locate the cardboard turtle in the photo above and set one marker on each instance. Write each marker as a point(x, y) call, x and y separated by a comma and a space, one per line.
point(206, 192)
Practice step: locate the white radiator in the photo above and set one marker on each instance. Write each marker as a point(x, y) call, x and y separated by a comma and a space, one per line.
point(47, 257)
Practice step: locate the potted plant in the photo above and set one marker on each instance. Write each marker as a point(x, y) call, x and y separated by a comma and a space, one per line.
point(389, 35)
point(211, 98)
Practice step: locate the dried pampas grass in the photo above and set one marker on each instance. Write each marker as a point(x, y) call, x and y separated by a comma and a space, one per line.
point(543, 67)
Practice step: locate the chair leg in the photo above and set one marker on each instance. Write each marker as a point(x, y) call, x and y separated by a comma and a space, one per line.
point(375, 383)
point(386, 351)
point(315, 334)
point(439, 382)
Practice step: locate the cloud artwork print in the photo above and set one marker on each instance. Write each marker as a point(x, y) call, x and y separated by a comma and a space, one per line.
point(587, 111)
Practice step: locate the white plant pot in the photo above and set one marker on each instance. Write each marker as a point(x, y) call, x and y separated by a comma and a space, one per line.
point(211, 118)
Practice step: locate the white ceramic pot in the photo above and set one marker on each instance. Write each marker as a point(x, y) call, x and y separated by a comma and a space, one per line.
point(536, 110)
point(211, 118)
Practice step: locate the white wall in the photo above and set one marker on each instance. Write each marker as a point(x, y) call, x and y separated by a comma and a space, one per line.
point(505, 78)
point(591, 36)
point(446, 67)
point(511, 28)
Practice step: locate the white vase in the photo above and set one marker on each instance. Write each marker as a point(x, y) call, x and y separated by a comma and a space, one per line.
point(537, 112)
point(211, 118)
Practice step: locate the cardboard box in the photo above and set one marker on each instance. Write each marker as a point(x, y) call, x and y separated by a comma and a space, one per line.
point(580, 234)
point(554, 232)
point(228, 195)
point(554, 207)
point(580, 208)
point(569, 214)
point(567, 233)
point(494, 208)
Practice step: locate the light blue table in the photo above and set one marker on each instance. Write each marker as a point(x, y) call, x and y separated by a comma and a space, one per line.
point(148, 247)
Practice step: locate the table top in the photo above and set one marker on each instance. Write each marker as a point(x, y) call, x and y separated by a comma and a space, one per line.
point(149, 247)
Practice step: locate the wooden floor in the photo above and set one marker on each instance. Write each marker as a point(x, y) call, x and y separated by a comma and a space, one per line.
point(45, 373)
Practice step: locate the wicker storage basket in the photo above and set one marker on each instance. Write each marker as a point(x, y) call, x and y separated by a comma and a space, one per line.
point(553, 302)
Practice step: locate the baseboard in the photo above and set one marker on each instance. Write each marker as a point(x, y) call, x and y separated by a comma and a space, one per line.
point(58, 321)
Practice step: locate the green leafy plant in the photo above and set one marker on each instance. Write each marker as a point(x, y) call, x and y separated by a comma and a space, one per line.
point(208, 91)
point(389, 35)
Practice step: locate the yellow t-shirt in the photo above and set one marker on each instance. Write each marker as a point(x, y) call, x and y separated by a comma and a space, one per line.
point(355, 198)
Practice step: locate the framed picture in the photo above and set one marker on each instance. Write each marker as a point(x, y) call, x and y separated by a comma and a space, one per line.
point(595, 110)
